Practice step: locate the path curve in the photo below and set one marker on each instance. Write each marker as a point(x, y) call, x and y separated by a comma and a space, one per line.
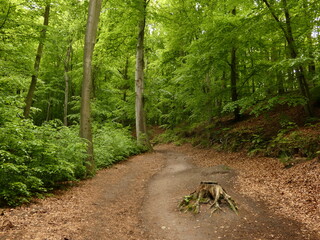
point(179, 178)
point(137, 199)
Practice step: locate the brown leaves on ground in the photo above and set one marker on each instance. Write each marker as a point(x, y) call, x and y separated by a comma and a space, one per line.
point(105, 207)
point(292, 192)
point(109, 205)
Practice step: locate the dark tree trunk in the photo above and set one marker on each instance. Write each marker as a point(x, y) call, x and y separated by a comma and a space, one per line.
point(312, 64)
point(234, 78)
point(34, 77)
point(288, 33)
point(6, 17)
point(277, 75)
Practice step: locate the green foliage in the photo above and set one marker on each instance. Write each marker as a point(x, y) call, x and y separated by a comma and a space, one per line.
point(34, 159)
point(257, 106)
point(170, 136)
point(113, 143)
point(187, 81)
point(290, 143)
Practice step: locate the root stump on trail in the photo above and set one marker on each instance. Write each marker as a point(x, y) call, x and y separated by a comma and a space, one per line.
point(207, 192)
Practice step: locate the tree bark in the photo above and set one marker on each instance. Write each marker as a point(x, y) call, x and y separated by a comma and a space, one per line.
point(34, 77)
point(67, 80)
point(288, 33)
point(85, 111)
point(141, 128)
point(277, 75)
point(234, 77)
point(312, 64)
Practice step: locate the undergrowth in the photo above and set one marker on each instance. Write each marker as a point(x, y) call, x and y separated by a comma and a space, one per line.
point(113, 143)
point(285, 140)
point(34, 160)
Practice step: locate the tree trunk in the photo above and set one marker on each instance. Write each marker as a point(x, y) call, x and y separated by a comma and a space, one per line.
point(312, 64)
point(66, 89)
point(34, 77)
point(301, 74)
point(141, 128)
point(48, 108)
point(234, 78)
point(126, 87)
point(287, 31)
point(277, 75)
point(85, 111)
point(7, 16)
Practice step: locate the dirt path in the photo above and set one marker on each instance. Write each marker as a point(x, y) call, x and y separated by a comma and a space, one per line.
point(137, 199)
point(179, 178)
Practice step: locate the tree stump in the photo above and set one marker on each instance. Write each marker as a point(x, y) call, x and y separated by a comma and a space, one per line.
point(207, 193)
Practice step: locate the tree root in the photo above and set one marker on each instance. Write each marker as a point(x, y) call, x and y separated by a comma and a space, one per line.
point(207, 192)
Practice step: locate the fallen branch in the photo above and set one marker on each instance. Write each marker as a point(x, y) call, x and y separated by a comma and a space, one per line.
point(207, 192)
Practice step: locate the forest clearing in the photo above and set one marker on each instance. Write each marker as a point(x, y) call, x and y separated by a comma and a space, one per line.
point(138, 199)
point(159, 119)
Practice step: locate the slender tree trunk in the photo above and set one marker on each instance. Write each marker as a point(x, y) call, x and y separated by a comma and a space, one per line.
point(67, 80)
point(288, 33)
point(126, 79)
point(300, 71)
point(34, 77)
point(277, 75)
point(312, 64)
point(48, 108)
point(85, 111)
point(253, 84)
point(234, 77)
point(141, 128)
point(125, 89)
point(6, 17)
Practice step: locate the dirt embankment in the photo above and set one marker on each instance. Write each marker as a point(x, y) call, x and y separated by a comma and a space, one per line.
point(137, 199)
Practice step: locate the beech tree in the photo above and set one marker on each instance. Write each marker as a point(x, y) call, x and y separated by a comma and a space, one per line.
point(287, 30)
point(141, 128)
point(34, 77)
point(67, 83)
point(85, 111)
point(234, 75)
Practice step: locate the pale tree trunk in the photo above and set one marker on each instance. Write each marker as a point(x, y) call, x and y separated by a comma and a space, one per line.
point(67, 80)
point(141, 128)
point(34, 77)
point(85, 111)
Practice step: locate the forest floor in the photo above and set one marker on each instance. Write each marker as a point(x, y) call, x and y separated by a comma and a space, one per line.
point(138, 198)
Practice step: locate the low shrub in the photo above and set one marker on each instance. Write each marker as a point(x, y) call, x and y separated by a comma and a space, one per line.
point(113, 143)
point(33, 159)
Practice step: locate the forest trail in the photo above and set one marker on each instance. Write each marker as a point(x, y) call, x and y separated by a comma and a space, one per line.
point(138, 198)
point(179, 178)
